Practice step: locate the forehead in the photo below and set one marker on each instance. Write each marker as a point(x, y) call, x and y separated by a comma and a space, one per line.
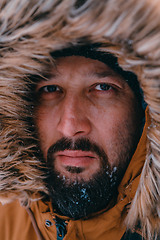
point(81, 65)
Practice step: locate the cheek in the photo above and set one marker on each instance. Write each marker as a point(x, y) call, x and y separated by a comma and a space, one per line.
point(109, 118)
point(45, 128)
point(115, 129)
point(115, 113)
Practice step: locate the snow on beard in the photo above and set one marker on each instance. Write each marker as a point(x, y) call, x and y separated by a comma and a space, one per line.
point(78, 198)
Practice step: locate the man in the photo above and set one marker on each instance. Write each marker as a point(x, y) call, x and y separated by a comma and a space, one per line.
point(73, 137)
point(86, 119)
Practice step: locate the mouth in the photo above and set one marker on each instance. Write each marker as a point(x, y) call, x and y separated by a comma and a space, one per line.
point(75, 158)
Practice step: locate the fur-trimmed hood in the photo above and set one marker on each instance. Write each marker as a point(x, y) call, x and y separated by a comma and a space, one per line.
point(29, 31)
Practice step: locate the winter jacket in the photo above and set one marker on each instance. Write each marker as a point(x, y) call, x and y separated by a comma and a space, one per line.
point(30, 30)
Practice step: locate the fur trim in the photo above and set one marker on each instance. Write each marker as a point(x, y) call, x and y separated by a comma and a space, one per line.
point(30, 30)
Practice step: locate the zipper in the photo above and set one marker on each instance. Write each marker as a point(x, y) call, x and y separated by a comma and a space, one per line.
point(61, 228)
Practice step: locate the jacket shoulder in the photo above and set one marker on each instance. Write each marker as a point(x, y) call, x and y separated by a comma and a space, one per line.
point(15, 222)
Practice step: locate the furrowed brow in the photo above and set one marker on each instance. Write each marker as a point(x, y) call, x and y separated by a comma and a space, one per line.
point(102, 74)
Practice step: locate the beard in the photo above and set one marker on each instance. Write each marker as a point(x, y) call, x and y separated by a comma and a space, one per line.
point(77, 198)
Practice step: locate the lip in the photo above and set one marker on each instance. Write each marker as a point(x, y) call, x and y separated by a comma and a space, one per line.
point(75, 158)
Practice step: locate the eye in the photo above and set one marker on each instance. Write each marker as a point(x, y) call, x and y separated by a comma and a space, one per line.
point(103, 87)
point(49, 92)
point(50, 89)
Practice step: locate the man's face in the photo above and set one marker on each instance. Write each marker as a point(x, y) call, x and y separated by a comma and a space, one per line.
point(88, 122)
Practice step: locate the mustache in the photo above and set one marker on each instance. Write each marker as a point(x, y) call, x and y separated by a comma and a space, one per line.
point(83, 144)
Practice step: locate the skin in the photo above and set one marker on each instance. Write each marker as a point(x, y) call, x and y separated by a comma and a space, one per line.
point(84, 98)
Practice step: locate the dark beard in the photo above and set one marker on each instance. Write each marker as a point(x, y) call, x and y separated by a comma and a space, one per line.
point(78, 198)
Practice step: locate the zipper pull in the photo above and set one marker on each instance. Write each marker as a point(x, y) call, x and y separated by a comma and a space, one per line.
point(61, 228)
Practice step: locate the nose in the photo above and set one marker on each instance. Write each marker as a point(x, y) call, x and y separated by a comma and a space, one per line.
point(73, 119)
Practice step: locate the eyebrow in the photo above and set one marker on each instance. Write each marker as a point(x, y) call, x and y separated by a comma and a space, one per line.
point(47, 77)
point(102, 74)
point(89, 74)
